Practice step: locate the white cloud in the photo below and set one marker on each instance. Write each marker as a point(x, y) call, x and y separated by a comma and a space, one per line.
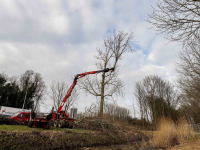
point(41, 58)
point(28, 21)
point(164, 49)
point(8, 9)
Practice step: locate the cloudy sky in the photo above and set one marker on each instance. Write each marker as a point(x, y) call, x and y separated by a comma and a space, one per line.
point(58, 38)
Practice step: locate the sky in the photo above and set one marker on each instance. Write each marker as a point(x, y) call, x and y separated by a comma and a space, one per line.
point(58, 38)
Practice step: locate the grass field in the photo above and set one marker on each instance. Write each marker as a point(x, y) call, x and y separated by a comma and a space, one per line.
point(26, 128)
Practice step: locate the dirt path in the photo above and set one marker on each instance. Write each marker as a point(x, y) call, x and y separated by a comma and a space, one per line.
point(192, 145)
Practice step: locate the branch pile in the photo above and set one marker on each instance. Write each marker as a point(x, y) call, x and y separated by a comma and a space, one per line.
point(97, 124)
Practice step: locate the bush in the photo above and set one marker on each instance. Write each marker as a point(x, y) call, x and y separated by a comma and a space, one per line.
point(8, 121)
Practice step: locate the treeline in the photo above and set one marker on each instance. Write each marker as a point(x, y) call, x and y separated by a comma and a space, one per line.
point(177, 21)
point(158, 98)
point(22, 92)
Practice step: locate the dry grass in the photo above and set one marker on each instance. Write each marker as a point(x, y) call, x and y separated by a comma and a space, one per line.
point(170, 134)
point(184, 130)
point(52, 140)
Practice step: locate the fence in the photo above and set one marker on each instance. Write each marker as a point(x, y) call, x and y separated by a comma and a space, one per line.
point(196, 127)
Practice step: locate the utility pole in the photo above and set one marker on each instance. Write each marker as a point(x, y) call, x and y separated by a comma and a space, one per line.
point(26, 92)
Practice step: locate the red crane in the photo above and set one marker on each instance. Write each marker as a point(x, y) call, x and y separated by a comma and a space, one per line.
point(78, 76)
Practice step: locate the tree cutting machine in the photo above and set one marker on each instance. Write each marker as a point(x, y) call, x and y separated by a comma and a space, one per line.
point(60, 118)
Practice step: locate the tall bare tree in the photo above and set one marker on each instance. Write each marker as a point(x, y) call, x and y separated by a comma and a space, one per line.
point(58, 92)
point(178, 20)
point(189, 78)
point(108, 84)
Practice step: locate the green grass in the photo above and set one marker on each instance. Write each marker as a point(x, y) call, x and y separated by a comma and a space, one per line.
point(26, 128)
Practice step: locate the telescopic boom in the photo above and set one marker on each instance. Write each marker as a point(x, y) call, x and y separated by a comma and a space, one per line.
point(78, 76)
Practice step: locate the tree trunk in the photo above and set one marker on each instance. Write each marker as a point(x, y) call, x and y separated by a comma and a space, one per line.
point(102, 95)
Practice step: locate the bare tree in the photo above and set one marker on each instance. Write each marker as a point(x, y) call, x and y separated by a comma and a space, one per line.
point(109, 84)
point(58, 92)
point(189, 78)
point(33, 86)
point(111, 110)
point(114, 112)
point(91, 111)
point(140, 98)
point(178, 20)
point(156, 98)
point(40, 90)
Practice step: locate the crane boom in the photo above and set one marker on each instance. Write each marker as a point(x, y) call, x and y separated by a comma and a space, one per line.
point(78, 76)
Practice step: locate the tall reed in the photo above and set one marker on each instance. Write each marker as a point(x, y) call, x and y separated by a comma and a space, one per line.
point(170, 134)
point(185, 130)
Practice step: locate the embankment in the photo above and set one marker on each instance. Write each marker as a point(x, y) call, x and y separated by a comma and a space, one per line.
point(64, 139)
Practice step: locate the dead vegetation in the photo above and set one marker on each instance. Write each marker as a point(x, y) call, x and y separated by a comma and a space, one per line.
point(102, 133)
point(8, 121)
point(63, 139)
point(97, 124)
point(170, 134)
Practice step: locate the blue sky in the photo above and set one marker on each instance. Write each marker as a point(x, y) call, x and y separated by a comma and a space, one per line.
point(58, 38)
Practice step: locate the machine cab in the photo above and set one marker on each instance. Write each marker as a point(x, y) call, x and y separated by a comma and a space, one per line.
point(21, 116)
